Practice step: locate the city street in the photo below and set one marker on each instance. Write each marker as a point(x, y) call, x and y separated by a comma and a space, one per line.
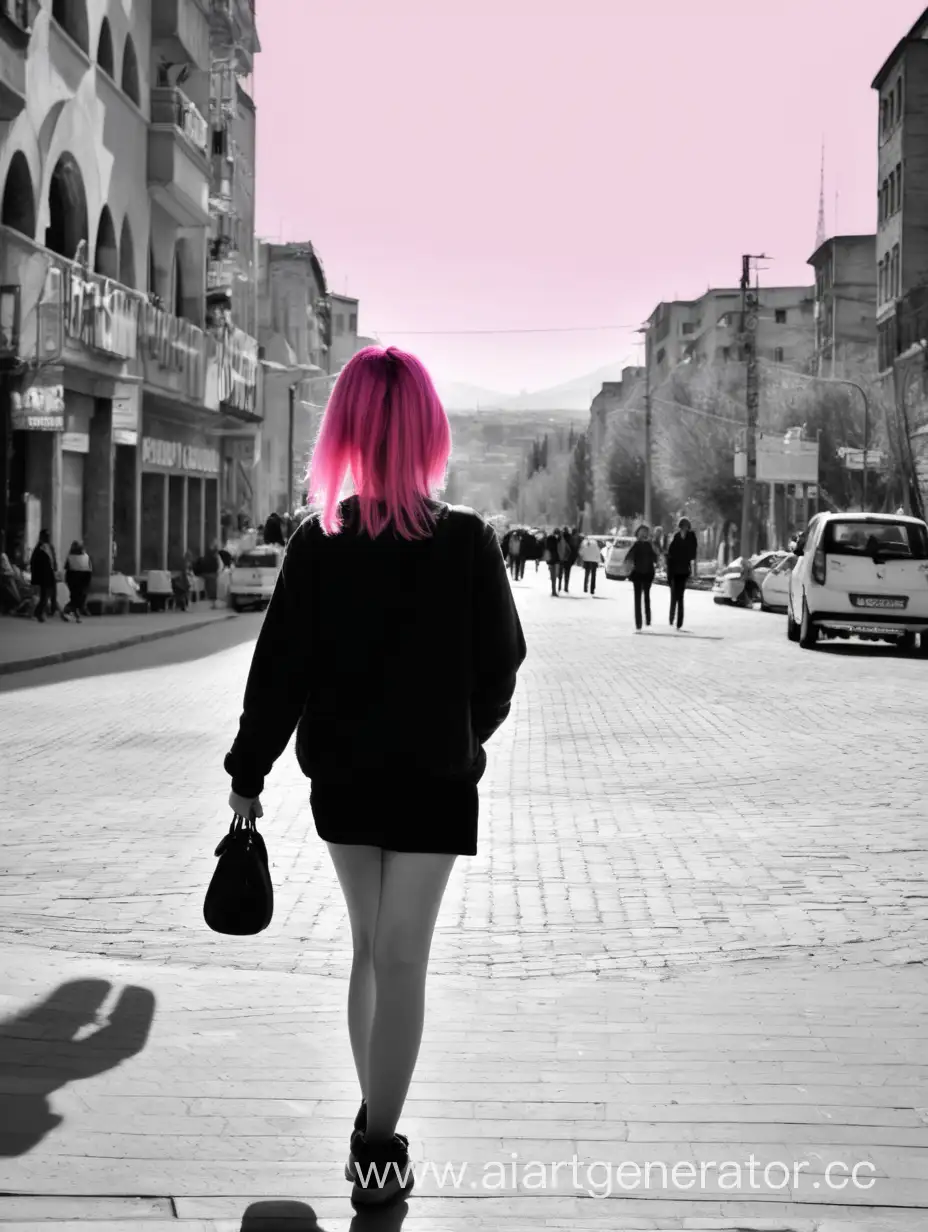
point(696, 932)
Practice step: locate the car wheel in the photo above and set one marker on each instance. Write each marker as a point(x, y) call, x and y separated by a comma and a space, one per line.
point(923, 644)
point(808, 630)
point(906, 643)
point(792, 628)
point(717, 600)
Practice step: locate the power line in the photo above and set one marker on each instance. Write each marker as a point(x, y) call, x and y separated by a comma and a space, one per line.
point(557, 329)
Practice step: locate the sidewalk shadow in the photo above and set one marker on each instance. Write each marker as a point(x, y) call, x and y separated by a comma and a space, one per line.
point(289, 1216)
point(40, 1052)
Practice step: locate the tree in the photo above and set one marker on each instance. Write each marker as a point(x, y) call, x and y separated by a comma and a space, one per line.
point(580, 478)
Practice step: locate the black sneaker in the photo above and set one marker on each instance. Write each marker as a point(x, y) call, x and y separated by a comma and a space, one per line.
point(380, 1171)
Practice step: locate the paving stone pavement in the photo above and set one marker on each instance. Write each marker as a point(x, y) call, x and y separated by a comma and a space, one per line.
point(695, 931)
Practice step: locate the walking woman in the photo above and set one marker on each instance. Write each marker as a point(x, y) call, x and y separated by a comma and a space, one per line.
point(644, 560)
point(43, 570)
point(392, 645)
point(78, 572)
point(564, 554)
point(592, 556)
point(681, 562)
point(552, 558)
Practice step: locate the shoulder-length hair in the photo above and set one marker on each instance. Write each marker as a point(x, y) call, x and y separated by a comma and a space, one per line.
point(385, 424)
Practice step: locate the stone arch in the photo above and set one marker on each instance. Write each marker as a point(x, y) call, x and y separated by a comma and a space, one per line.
point(71, 15)
point(130, 73)
point(18, 210)
point(67, 209)
point(105, 55)
point(106, 254)
point(127, 255)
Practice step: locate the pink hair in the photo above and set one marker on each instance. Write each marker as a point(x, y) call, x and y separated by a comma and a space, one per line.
point(386, 425)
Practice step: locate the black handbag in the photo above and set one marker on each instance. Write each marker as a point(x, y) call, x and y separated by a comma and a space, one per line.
point(240, 897)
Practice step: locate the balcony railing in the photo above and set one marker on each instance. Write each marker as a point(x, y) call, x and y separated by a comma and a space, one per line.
point(172, 106)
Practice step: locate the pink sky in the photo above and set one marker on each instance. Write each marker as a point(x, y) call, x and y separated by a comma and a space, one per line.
point(527, 164)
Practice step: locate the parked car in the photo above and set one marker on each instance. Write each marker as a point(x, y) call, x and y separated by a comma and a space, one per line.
point(615, 558)
point(254, 576)
point(730, 585)
point(774, 590)
point(861, 575)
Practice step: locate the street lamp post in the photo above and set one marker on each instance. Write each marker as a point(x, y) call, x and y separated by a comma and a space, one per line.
point(647, 425)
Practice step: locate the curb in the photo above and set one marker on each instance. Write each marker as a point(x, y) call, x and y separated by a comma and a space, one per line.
point(87, 652)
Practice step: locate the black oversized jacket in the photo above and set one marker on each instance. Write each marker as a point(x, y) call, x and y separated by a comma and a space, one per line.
point(392, 658)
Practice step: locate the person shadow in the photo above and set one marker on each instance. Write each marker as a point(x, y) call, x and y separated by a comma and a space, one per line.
point(287, 1216)
point(44, 1048)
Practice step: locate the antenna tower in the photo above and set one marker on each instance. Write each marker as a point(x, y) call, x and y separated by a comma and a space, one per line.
point(820, 231)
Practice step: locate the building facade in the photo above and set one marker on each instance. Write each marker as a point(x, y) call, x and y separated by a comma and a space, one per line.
point(845, 305)
point(705, 330)
point(115, 394)
point(294, 315)
point(345, 340)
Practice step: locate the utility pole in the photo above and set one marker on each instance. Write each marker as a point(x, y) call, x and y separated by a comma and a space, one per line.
point(644, 330)
point(749, 347)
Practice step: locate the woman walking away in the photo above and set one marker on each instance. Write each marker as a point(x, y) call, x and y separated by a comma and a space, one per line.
point(392, 644)
point(552, 544)
point(515, 554)
point(78, 572)
point(43, 569)
point(564, 553)
point(592, 556)
point(643, 559)
point(681, 562)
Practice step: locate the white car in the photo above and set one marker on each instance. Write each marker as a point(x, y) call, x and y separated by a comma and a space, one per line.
point(774, 590)
point(861, 575)
point(254, 576)
point(729, 587)
point(615, 558)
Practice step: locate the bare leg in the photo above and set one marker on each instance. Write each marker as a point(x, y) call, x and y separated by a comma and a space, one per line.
point(411, 892)
point(359, 871)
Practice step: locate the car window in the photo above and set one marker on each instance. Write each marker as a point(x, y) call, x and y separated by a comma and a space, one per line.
point(786, 565)
point(257, 560)
point(889, 539)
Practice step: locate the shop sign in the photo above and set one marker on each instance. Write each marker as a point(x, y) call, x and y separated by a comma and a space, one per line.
point(102, 315)
point(174, 456)
point(126, 401)
point(173, 352)
point(238, 370)
point(76, 442)
point(40, 405)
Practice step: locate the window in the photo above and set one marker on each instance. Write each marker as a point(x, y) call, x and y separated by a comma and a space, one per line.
point(659, 357)
point(339, 322)
point(891, 193)
point(874, 538)
point(898, 186)
point(897, 272)
point(899, 98)
point(891, 111)
point(778, 355)
point(780, 316)
point(353, 323)
point(881, 282)
point(726, 353)
point(220, 142)
point(105, 56)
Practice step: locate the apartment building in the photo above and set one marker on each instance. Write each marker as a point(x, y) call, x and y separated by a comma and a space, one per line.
point(706, 330)
point(611, 398)
point(345, 340)
point(115, 395)
point(845, 305)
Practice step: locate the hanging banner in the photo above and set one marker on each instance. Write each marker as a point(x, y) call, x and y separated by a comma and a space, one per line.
point(39, 407)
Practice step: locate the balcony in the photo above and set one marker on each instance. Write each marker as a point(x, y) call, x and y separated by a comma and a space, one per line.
point(14, 39)
point(180, 31)
point(178, 166)
point(221, 276)
point(233, 31)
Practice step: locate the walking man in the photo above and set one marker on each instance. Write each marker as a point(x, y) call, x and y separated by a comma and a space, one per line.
point(643, 558)
point(564, 553)
point(681, 563)
point(591, 554)
point(515, 554)
point(552, 559)
point(43, 569)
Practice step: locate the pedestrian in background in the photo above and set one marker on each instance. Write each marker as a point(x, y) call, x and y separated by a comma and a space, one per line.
point(208, 568)
point(552, 559)
point(564, 553)
point(78, 573)
point(12, 599)
point(682, 552)
point(274, 530)
point(591, 554)
point(643, 559)
point(515, 554)
point(539, 548)
point(395, 674)
point(43, 569)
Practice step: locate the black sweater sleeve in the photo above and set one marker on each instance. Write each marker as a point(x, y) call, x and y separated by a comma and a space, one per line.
point(278, 682)
point(499, 644)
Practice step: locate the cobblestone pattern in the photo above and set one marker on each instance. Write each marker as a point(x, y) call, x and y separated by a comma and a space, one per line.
point(654, 802)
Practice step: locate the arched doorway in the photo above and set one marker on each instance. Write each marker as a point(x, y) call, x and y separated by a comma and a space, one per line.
point(130, 72)
point(67, 209)
point(105, 56)
point(18, 209)
point(106, 256)
point(71, 15)
point(126, 256)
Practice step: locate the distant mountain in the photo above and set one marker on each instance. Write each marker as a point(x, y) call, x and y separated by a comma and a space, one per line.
point(459, 396)
point(575, 395)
